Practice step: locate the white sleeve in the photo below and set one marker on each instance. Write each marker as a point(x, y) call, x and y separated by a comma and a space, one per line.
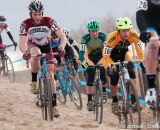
point(74, 43)
point(8, 29)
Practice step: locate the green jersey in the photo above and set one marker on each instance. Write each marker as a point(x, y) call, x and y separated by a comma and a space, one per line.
point(94, 46)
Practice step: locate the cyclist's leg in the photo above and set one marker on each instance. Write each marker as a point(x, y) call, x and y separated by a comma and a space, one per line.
point(151, 63)
point(114, 78)
point(89, 88)
point(103, 76)
point(132, 75)
point(35, 62)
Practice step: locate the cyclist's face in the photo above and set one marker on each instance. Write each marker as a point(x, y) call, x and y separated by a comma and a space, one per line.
point(2, 25)
point(37, 17)
point(94, 33)
point(124, 34)
point(55, 39)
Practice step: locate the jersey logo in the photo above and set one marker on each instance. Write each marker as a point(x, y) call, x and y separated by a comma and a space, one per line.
point(142, 5)
point(111, 40)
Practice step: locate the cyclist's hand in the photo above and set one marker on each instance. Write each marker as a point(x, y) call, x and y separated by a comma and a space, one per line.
point(79, 62)
point(26, 55)
point(84, 64)
point(61, 52)
point(145, 36)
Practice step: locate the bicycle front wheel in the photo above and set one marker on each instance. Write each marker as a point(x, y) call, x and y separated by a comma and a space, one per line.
point(75, 94)
point(9, 70)
point(98, 102)
point(46, 97)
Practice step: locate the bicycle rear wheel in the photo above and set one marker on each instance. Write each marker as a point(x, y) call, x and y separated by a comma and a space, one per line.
point(46, 97)
point(75, 94)
point(61, 96)
point(9, 70)
point(98, 102)
point(60, 89)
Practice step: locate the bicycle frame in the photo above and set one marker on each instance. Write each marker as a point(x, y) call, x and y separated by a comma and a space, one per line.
point(66, 85)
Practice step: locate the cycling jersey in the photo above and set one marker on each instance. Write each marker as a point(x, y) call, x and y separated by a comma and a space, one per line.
point(93, 46)
point(55, 44)
point(116, 49)
point(74, 44)
point(147, 15)
point(39, 34)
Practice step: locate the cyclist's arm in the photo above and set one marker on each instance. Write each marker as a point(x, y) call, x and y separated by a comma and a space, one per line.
point(138, 44)
point(90, 63)
point(142, 6)
point(83, 47)
point(63, 38)
point(9, 33)
point(22, 43)
point(106, 60)
point(139, 49)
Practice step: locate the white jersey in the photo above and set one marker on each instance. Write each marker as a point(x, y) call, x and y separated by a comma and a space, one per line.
point(39, 34)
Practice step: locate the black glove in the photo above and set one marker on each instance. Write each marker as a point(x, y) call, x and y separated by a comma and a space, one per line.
point(145, 36)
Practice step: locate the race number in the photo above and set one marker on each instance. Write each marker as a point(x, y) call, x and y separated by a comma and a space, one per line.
point(140, 45)
point(107, 50)
point(83, 47)
point(142, 5)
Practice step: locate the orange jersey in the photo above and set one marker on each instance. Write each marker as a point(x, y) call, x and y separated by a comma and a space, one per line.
point(117, 46)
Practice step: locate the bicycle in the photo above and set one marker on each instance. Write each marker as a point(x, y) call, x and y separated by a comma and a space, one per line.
point(6, 66)
point(45, 89)
point(97, 95)
point(68, 85)
point(126, 108)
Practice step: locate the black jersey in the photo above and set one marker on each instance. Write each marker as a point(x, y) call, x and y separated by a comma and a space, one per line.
point(147, 14)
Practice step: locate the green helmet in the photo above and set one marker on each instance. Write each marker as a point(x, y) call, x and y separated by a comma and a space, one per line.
point(93, 25)
point(123, 23)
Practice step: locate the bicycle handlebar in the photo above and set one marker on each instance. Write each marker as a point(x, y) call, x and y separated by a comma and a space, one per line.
point(125, 62)
point(6, 46)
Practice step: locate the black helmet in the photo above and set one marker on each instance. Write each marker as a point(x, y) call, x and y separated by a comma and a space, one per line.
point(36, 6)
point(2, 18)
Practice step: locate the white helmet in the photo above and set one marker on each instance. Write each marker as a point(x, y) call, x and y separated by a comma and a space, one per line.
point(66, 32)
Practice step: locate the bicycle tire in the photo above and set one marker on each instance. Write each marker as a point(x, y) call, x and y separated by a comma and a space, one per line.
point(98, 102)
point(75, 93)
point(9, 69)
point(47, 107)
point(131, 84)
point(61, 96)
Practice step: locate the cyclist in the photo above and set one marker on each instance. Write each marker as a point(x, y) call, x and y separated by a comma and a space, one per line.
point(148, 23)
point(92, 45)
point(69, 50)
point(4, 26)
point(116, 49)
point(71, 40)
point(38, 28)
